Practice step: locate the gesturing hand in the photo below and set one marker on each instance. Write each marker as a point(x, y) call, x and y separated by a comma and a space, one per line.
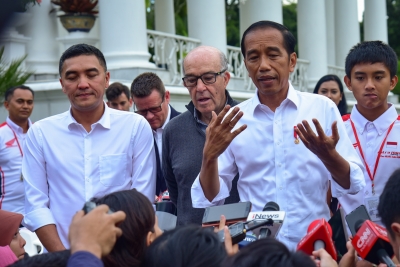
point(219, 132)
point(321, 144)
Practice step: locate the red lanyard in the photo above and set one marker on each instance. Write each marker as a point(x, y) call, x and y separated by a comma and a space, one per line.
point(378, 157)
point(19, 146)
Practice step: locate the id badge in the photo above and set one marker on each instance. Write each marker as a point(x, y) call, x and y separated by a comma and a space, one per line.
point(371, 203)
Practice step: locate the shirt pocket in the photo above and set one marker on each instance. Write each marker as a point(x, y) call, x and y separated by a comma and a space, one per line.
point(113, 169)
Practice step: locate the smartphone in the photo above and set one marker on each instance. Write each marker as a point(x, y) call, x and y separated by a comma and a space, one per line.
point(339, 231)
point(359, 214)
point(233, 213)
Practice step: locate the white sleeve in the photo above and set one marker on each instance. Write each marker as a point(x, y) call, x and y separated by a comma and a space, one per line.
point(37, 212)
point(144, 160)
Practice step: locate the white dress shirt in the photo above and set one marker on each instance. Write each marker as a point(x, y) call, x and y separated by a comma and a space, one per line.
point(158, 135)
point(273, 168)
point(64, 165)
point(12, 191)
point(371, 136)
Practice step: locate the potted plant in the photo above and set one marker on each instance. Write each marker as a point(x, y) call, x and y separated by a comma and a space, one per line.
point(79, 14)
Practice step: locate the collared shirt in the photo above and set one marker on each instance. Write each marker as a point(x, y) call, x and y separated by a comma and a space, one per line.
point(202, 124)
point(64, 165)
point(12, 191)
point(371, 136)
point(273, 168)
point(158, 134)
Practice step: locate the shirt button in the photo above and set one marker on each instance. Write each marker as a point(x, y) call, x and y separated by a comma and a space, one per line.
point(280, 188)
point(366, 192)
point(279, 165)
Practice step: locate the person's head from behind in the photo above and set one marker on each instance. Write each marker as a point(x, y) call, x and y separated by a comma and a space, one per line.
point(139, 229)
point(84, 77)
point(331, 87)
point(18, 101)
point(118, 97)
point(268, 51)
point(268, 252)
point(187, 246)
point(371, 69)
point(9, 232)
point(58, 258)
point(388, 209)
point(206, 76)
point(150, 98)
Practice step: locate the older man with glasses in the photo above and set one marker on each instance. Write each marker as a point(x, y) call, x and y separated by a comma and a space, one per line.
point(152, 102)
point(206, 78)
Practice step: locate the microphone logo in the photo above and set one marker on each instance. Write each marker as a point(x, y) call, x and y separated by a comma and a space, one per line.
point(265, 216)
point(363, 238)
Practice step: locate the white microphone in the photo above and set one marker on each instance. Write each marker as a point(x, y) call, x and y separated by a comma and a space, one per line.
point(270, 211)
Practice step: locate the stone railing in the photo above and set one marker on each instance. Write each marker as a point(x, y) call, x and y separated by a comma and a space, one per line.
point(299, 76)
point(168, 51)
point(338, 71)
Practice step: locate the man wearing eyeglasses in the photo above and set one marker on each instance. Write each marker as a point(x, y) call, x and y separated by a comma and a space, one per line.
point(206, 78)
point(152, 102)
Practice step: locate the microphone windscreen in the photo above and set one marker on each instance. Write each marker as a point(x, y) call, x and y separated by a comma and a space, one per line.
point(271, 206)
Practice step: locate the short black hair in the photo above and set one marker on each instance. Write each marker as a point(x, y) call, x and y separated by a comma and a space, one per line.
point(389, 202)
point(115, 90)
point(268, 252)
point(342, 106)
point(186, 246)
point(371, 52)
point(145, 83)
point(10, 91)
point(58, 258)
point(82, 49)
point(289, 41)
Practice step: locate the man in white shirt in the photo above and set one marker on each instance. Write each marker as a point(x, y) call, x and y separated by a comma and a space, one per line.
point(152, 102)
point(87, 151)
point(19, 104)
point(272, 162)
point(373, 125)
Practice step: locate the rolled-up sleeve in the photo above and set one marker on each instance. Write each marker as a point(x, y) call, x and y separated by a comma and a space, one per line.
point(357, 182)
point(144, 161)
point(37, 212)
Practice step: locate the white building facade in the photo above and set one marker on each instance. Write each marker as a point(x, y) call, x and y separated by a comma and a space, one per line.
point(327, 29)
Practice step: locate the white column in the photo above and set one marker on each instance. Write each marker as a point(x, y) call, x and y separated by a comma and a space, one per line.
point(206, 22)
point(375, 23)
point(255, 10)
point(123, 36)
point(330, 31)
point(311, 35)
point(347, 28)
point(164, 16)
point(42, 49)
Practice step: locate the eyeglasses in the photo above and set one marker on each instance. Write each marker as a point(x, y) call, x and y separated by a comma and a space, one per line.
point(206, 78)
point(153, 110)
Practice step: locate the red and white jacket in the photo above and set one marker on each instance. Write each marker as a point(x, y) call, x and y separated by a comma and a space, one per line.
point(12, 192)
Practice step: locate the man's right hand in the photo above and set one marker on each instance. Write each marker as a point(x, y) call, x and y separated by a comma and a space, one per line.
point(95, 232)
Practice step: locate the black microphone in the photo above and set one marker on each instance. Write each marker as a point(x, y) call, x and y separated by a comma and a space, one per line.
point(270, 206)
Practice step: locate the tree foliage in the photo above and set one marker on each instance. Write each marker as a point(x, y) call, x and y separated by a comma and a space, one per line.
point(393, 22)
point(11, 73)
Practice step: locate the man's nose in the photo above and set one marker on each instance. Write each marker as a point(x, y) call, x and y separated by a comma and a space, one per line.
point(200, 85)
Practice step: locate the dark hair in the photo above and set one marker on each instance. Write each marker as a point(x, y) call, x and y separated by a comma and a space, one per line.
point(58, 258)
point(389, 202)
point(115, 90)
point(289, 41)
point(140, 218)
point(371, 52)
point(187, 246)
point(145, 83)
point(10, 91)
point(82, 49)
point(268, 252)
point(342, 106)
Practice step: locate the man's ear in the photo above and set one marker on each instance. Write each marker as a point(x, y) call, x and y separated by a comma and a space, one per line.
point(292, 61)
point(393, 82)
point(347, 81)
point(6, 104)
point(150, 238)
point(130, 102)
point(396, 229)
point(108, 104)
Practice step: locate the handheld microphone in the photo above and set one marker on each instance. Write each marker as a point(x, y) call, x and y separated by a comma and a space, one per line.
point(270, 211)
point(319, 235)
point(372, 244)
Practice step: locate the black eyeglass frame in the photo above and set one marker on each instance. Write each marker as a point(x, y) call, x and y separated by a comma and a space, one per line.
point(200, 77)
point(152, 110)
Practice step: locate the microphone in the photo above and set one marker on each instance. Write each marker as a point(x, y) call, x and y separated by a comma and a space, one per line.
point(319, 235)
point(372, 243)
point(270, 211)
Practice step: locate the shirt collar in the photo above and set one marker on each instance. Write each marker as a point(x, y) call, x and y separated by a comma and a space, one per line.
point(291, 97)
point(104, 120)
point(16, 128)
point(381, 124)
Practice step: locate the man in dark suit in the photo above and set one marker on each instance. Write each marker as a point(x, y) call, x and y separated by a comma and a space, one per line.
point(152, 102)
